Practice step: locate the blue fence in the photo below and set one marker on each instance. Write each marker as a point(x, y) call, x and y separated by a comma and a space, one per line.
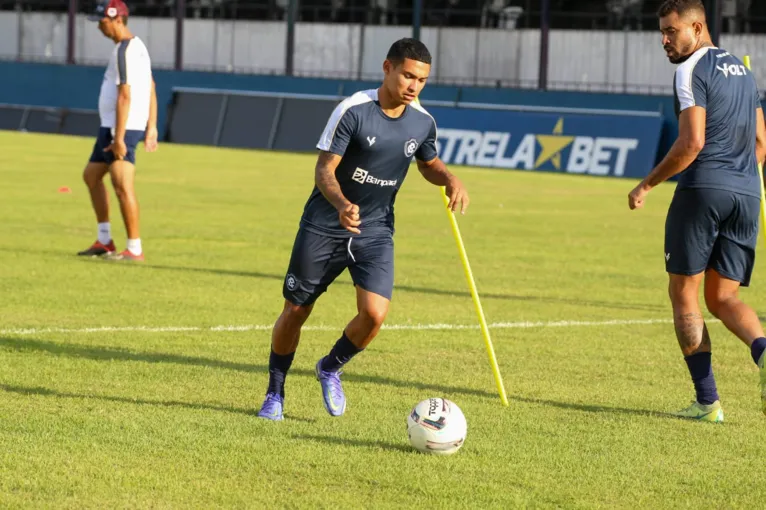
point(78, 86)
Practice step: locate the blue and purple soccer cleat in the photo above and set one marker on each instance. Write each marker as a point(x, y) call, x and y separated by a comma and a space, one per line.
point(272, 407)
point(332, 391)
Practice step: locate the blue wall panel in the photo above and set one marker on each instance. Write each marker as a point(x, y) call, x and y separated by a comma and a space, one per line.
point(605, 145)
point(77, 87)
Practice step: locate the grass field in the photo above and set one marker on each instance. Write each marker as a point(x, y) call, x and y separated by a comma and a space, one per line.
point(133, 385)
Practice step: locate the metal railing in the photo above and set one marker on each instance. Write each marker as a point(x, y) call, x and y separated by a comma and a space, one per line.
point(591, 59)
point(593, 15)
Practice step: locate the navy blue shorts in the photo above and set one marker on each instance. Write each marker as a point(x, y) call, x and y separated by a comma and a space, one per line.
point(132, 138)
point(712, 229)
point(317, 260)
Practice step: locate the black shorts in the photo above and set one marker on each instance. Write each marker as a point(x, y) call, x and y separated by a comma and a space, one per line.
point(712, 229)
point(132, 138)
point(317, 260)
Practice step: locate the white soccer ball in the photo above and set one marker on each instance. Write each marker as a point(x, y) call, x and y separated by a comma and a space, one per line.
point(436, 426)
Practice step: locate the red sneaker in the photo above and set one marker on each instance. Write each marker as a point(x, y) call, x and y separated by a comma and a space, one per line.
point(98, 249)
point(125, 255)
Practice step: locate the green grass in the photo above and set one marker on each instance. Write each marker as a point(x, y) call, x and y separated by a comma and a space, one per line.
point(167, 419)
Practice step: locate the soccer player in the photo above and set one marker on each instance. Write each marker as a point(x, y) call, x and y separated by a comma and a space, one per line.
point(712, 223)
point(127, 107)
point(348, 221)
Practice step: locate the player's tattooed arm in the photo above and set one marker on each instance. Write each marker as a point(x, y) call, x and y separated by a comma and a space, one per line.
point(324, 176)
point(435, 172)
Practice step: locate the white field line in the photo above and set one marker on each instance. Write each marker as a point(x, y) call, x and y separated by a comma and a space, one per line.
point(401, 327)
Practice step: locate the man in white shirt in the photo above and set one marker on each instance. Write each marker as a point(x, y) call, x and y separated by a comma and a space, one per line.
point(127, 106)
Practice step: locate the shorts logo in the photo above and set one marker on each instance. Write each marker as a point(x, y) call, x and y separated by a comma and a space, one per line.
point(410, 146)
point(291, 282)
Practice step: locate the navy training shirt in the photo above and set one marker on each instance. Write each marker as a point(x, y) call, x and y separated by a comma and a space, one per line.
point(719, 82)
point(376, 151)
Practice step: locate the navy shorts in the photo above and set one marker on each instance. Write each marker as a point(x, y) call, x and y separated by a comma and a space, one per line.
point(132, 138)
point(712, 229)
point(317, 260)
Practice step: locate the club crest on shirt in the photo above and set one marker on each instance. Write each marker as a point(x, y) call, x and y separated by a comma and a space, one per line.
point(410, 146)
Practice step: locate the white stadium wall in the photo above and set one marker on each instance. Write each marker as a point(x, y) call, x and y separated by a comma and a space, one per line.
point(579, 60)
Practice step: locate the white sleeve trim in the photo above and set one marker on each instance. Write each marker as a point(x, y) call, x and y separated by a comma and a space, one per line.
point(328, 135)
point(419, 107)
point(684, 77)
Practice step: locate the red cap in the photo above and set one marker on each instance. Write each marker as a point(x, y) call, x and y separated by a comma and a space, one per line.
point(111, 9)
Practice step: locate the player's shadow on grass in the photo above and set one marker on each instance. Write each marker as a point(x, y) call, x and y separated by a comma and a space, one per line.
point(100, 353)
point(589, 408)
point(363, 443)
point(47, 392)
point(427, 290)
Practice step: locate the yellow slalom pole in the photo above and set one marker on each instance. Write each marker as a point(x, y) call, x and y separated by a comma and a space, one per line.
point(476, 302)
point(746, 61)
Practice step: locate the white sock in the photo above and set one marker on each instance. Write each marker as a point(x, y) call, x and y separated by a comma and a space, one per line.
point(134, 246)
point(104, 233)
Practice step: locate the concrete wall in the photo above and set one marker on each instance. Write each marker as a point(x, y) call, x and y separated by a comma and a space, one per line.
point(579, 60)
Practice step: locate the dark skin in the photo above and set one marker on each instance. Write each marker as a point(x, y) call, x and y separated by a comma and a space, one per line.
point(681, 37)
point(402, 84)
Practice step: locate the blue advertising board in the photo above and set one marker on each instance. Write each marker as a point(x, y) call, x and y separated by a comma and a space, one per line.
point(623, 145)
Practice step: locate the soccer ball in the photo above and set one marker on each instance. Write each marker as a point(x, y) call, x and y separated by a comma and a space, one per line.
point(436, 426)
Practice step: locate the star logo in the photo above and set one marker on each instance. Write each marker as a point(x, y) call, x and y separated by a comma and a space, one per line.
point(552, 145)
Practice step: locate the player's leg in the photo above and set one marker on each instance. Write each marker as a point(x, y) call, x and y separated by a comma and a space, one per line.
point(314, 263)
point(731, 266)
point(722, 300)
point(372, 310)
point(690, 232)
point(93, 176)
point(372, 269)
point(694, 340)
point(123, 174)
point(285, 337)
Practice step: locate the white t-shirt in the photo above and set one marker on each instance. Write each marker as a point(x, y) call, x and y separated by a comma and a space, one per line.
point(129, 64)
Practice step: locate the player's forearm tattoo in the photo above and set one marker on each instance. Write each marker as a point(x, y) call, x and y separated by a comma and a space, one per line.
point(324, 175)
point(692, 333)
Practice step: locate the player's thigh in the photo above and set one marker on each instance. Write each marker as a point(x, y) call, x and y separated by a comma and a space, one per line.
point(373, 305)
point(719, 287)
point(315, 262)
point(372, 267)
point(94, 172)
point(684, 289)
point(691, 230)
point(123, 174)
point(733, 255)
